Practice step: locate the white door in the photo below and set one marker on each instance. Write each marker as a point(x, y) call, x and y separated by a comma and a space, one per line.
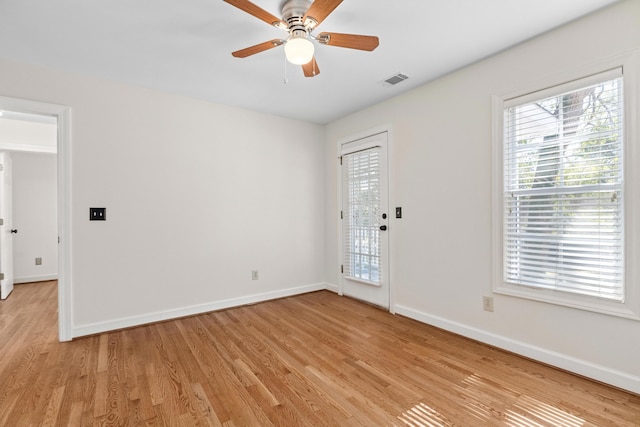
point(6, 233)
point(365, 220)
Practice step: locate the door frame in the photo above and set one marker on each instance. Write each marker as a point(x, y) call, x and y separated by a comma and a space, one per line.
point(388, 128)
point(63, 115)
point(6, 211)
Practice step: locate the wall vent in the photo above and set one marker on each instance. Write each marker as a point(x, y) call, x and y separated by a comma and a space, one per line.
point(394, 80)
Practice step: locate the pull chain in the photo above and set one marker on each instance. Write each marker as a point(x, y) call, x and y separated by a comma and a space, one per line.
point(286, 80)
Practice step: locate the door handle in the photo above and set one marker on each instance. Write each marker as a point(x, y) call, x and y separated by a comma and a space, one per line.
point(14, 231)
point(383, 227)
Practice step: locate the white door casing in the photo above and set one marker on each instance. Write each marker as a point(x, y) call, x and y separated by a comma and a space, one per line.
point(6, 234)
point(364, 213)
point(62, 114)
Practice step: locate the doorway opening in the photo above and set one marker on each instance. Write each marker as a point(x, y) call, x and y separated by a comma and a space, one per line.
point(15, 139)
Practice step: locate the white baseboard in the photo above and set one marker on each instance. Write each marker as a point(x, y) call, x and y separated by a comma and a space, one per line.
point(606, 375)
point(41, 278)
point(128, 322)
point(331, 287)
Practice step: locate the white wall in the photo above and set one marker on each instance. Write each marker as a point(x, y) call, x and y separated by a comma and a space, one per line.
point(35, 216)
point(441, 176)
point(197, 195)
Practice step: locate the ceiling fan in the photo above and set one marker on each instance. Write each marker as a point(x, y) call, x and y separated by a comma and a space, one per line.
point(299, 19)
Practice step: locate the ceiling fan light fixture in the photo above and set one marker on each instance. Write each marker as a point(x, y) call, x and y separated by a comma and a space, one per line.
point(299, 19)
point(299, 50)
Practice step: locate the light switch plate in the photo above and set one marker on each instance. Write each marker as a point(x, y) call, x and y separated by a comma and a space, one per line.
point(97, 214)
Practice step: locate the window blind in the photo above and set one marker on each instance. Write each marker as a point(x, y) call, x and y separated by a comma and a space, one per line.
point(563, 197)
point(361, 213)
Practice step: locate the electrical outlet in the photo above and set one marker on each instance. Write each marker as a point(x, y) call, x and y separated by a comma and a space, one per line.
point(487, 303)
point(254, 274)
point(38, 261)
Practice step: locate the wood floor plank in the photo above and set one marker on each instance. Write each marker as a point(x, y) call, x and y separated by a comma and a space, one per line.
point(311, 360)
point(53, 408)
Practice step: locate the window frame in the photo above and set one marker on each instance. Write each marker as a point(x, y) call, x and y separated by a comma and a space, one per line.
point(547, 86)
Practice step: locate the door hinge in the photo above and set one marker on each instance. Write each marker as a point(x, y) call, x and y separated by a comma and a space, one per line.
point(1, 221)
point(340, 160)
point(342, 269)
point(341, 216)
point(1, 276)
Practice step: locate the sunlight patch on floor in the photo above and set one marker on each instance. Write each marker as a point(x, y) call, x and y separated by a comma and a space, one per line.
point(422, 415)
point(527, 410)
point(518, 411)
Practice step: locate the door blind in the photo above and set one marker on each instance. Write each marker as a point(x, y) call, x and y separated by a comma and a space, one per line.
point(361, 215)
point(563, 194)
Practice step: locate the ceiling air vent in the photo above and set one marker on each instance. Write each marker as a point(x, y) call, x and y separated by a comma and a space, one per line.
point(394, 80)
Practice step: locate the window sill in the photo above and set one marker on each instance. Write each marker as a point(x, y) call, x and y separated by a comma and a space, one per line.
point(580, 302)
point(363, 281)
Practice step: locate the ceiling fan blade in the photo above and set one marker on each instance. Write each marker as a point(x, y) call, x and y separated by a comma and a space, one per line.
point(252, 50)
point(258, 12)
point(318, 11)
point(310, 69)
point(351, 41)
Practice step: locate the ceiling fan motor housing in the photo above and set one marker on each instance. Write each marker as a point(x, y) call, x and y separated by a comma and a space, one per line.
point(292, 13)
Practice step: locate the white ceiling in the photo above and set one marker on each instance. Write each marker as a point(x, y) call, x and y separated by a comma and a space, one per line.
point(185, 46)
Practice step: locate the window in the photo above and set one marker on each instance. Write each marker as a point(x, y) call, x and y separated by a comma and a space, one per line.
point(562, 194)
point(361, 192)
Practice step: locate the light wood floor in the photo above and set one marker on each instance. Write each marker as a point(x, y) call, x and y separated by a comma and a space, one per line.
point(315, 359)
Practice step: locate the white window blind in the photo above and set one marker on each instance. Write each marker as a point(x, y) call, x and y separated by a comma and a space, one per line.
point(361, 204)
point(563, 193)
